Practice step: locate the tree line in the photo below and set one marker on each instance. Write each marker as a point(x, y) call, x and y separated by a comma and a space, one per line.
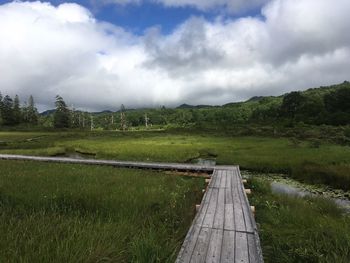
point(65, 117)
point(324, 105)
point(13, 113)
point(332, 108)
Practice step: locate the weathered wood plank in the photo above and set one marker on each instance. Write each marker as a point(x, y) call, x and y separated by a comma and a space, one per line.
point(228, 247)
point(228, 192)
point(200, 251)
point(237, 207)
point(203, 208)
point(218, 178)
point(223, 179)
point(241, 248)
point(229, 223)
point(214, 179)
point(247, 213)
point(209, 216)
point(253, 248)
point(215, 243)
point(219, 218)
point(143, 165)
point(189, 244)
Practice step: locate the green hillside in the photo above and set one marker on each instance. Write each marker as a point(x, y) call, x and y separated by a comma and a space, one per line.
point(316, 106)
point(323, 105)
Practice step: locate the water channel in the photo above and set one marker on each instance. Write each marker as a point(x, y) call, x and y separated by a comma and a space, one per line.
point(282, 184)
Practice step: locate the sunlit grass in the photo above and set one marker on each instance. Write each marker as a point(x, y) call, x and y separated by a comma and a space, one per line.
point(254, 153)
point(296, 229)
point(74, 213)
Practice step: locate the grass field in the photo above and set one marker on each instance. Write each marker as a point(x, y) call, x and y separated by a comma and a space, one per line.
point(102, 214)
point(294, 230)
point(322, 163)
point(74, 213)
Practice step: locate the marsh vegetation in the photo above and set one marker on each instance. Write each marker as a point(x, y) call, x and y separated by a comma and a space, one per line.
point(74, 213)
point(295, 229)
point(328, 163)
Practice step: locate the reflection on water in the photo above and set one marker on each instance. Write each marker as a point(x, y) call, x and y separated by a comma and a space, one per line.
point(204, 162)
point(282, 188)
point(283, 184)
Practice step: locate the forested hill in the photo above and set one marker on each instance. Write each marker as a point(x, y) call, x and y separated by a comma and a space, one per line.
point(324, 105)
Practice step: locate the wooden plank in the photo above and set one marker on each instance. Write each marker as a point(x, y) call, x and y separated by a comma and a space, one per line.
point(214, 177)
point(218, 177)
point(210, 214)
point(223, 179)
point(189, 244)
point(220, 210)
point(237, 207)
point(228, 247)
point(142, 165)
point(253, 249)
point(241, 248)
point(229, 222)
point(228, 192)
point(214, 248)
point(204, 207)
point(245, 204)
point(200, 251)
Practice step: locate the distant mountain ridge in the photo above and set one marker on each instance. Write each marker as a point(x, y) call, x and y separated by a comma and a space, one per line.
point(320, 91)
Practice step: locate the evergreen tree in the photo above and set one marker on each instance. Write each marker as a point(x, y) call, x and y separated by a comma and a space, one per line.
point(1, 106)
point(122, 118)
point(62, 114)
point(7, 111)
point(32, 112)
point(75, 118)
point(25, 112)
point(17, 115)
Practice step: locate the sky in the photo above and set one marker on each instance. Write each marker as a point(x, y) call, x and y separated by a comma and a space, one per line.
point(99, 54)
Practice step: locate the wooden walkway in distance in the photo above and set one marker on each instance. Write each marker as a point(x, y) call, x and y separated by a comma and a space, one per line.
point(224, 229)
point(125, 164)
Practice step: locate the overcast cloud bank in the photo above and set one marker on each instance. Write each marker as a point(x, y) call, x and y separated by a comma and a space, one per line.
point(47, 50)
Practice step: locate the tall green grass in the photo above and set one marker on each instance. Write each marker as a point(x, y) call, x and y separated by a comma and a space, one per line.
point(75, 213)
point(296, 229)
point(263, 154)
point(335, 175)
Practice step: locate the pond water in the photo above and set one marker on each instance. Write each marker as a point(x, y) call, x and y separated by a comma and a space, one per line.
point(281, 184)
point(204, 162)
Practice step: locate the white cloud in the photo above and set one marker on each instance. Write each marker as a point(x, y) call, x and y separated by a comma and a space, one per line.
point(47, 50)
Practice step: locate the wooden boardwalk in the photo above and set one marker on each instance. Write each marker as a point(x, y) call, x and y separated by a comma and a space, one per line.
point(125, 164)
point(224, 229)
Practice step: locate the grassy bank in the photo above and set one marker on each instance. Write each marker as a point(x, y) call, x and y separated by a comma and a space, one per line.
point(321, 162)
point(74, 213)
point(300, 229)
